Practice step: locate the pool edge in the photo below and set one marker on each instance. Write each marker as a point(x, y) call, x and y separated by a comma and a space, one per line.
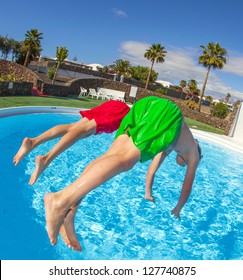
point(21, 110)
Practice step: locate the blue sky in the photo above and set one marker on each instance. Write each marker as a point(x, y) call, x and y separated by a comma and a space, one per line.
point(104, 31)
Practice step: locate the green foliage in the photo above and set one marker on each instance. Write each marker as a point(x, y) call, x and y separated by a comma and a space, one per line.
point(161, 91)
point(212, 56)
point(32, 44)
point(9, 46)
point(155, 54)
point(51, 72)
point(9, 78)
point(219, 110)
point(2, 78)
point(183, 83)
point(190, 103)
point(61, 54)
point(209, 98)
point(192, 86)
point(121, 67)
point(140, 73)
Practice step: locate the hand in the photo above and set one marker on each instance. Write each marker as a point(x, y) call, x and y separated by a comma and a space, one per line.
point(150, 197)
point(176, 213)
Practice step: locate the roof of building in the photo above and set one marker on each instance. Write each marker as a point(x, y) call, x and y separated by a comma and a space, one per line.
point(95, 66)
point(164, 83)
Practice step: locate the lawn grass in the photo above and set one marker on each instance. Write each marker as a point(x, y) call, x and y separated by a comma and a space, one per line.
point(16, 101)
point(84, 102)
point(202, 126)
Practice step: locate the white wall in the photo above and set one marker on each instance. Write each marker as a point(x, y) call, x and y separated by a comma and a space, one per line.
point(238, 130)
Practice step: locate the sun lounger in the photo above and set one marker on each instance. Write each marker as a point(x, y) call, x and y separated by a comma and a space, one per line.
point(83, 92)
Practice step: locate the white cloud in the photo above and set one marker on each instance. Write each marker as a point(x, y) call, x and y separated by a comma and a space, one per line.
point(234, 64)
point(119, 13)
point(182, 64)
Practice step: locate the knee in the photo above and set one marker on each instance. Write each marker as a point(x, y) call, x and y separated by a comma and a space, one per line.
point(85, 128)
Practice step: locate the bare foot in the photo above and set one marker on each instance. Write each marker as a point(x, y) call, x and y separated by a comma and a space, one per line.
point(25, 148)
point(68, 233)
point(54, 216)
point(150, 197)
point(40, 167)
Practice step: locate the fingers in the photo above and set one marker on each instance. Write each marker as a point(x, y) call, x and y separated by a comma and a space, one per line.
point(176, 214)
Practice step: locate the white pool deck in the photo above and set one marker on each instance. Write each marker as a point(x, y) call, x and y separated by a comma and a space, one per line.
point(229, 142)
point(234, 143)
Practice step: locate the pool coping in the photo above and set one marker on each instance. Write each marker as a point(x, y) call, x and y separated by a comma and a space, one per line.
point(12, 111)
point(230, 142)
point(223, 140)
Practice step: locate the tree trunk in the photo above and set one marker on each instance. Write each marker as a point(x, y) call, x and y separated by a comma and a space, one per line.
point(149, 74)
point(55, 75)
point(26, 58)
point(203, 89)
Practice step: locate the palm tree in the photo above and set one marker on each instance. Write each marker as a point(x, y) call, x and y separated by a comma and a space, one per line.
point(16, 50)
point(155, 53)
point(32, 44)
point(183, 84)
point(61, 54)
point(122, 67)
point(6, 46)
point(192, 86)
point(212, 56)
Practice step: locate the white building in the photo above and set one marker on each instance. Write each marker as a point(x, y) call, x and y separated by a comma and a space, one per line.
point(164, 83)
point(95, 66)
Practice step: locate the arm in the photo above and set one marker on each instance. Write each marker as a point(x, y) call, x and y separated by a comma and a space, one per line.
point(186, 188)
point(154, 166)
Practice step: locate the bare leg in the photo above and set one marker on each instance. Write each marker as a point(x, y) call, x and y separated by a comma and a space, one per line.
point(122, 156)
point(67, 230)
point(29, 144)
point(26, 147)
point(79, 130)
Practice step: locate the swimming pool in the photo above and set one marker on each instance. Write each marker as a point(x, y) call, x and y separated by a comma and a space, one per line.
point(115, 221)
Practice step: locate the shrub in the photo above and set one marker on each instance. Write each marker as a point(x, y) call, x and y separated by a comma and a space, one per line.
point(161, 91)
point(2, 78)
point(51, 72)
point(9, 78)
point(190, 103)
point(219, 110)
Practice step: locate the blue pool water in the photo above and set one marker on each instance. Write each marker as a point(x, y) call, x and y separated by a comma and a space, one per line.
point(115, 221)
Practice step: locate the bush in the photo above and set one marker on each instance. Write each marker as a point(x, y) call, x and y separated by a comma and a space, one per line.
point(51, 72)
point(190, 103)
point(161, 91)
point(219, 110)
point(9, 78)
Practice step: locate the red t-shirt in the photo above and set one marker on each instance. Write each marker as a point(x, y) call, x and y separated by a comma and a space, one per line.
point(107, 116)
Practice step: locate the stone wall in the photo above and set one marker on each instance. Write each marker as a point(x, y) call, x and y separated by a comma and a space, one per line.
point(56, 90)
point(224, 124)
point(20, 73)
point(15, 88)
